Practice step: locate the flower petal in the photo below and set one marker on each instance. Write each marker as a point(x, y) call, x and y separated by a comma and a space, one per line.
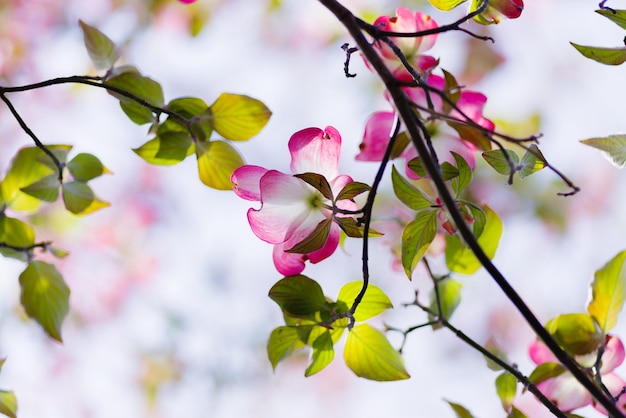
point(247, 180)
point(613, 354)
point(614, 384)
point(566, 392)
point(539, 353)
point(378, 130)
point(315, 151)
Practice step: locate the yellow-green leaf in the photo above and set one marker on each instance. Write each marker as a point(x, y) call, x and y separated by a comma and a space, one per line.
point(8, 404)
point(298, 295)
point(613, 147)
point(323, 354)
point(506, 388)
point(217, 160)
point(45, 296)
point(459, 257)
point(168, 148)
point(608, 56)
point(616, 16)
point(608, 292)
point(80, 199)
point(446, 5)
point(449, 291)
point(85, 167)
point(460, 410)
point(17, 234)
point(577, 333)
point(283, 341)
point(101, 49)
point(46, 189)
point(369, 354)
point(238, 117)
point(374, 302)
point(416, 238)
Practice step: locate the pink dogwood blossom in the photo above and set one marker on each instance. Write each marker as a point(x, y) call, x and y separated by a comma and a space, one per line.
point(498, 10)
point(379, 126)
point(413, 48)
point(565, 391)
point(291, 209)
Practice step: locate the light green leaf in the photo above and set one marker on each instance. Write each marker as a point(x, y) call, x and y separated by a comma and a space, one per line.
point(217, 160)
point(368, 354)
point(283, 341)
point(45, 296)
point(577, 333)
point(516, 413)
point(85, 167)
point(80, 199)
point(459, 257)
point(446, 5)
point(453, 92)
point(26, 168)
point(352, 190)
point(315, 240)
point(142, 87)
point(323, 354)
point(497, 159)
point(374, 302)
point(506, 388)
point(298, 295)
point(17, 234)
point(608, 56)
point(460, 182)
point(532, 161)
point(613, 147)
point(46, 189)
point(408, 194)
point(450, 297)
point(238, 117)
point(168, 148)
point(459, 410)
point(188, 107)
point(101, 49)
point(616, 16)
point(472, 134)
point(416, 238)
point(476, 213)
point(546, 371)
point(8, 404)
point(607, 292)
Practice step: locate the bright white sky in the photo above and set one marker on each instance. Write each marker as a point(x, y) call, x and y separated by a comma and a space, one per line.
point(206, 303)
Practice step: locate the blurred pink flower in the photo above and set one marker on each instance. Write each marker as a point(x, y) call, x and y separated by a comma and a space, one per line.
point(291, 208)
point(501, 9)
point(565, 391)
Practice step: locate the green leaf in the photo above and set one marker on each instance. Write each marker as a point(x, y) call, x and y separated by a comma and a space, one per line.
point(283, 341)
point(298, 295)
point(608, 292)
point(546, 371)
point(188, 107)
point(448, 171)
point(402, 140)
point(416, 238)
point(616, 16)
point(532, 161)
point(465, 174)
point(577, 333)
point(45, 296)
point(477, 214)
point(142, 87)
point(449, 296)
point(352, 190)
point(217, 160)
point(8, 404)
point(497, 159)
point(608, 56)
point(46, 189)
point(506, 388)
point(374, 302)
point(80, 199)
point(101, 49)
point(318, 182)
point(26, 168)
point(471, 134)
point(459, 410)
point(238, 117)
point(459, 257)
point(369, 355)
point(323, 354)
point(446, 5)
point(516, 413)
point(453, 92)
point(17, 234)
point(315, 240)
point(408, 194)
point(417, 166)
point(168, 148)
point(613, 147)
point(85, 167)
point(498, 352)
point(59, 151)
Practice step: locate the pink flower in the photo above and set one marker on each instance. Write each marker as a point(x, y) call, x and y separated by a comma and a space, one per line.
point(379, 126)
point(498, 10)
point(406, 21)
point(291, 209)
point(187, 1)
point(565, 391)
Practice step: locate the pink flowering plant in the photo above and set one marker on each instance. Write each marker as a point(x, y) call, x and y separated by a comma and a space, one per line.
point(439, 131)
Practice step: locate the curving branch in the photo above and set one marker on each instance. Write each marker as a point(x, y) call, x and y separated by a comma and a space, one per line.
point(415, 129)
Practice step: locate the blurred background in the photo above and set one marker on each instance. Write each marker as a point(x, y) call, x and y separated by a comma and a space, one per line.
point(169, 310)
